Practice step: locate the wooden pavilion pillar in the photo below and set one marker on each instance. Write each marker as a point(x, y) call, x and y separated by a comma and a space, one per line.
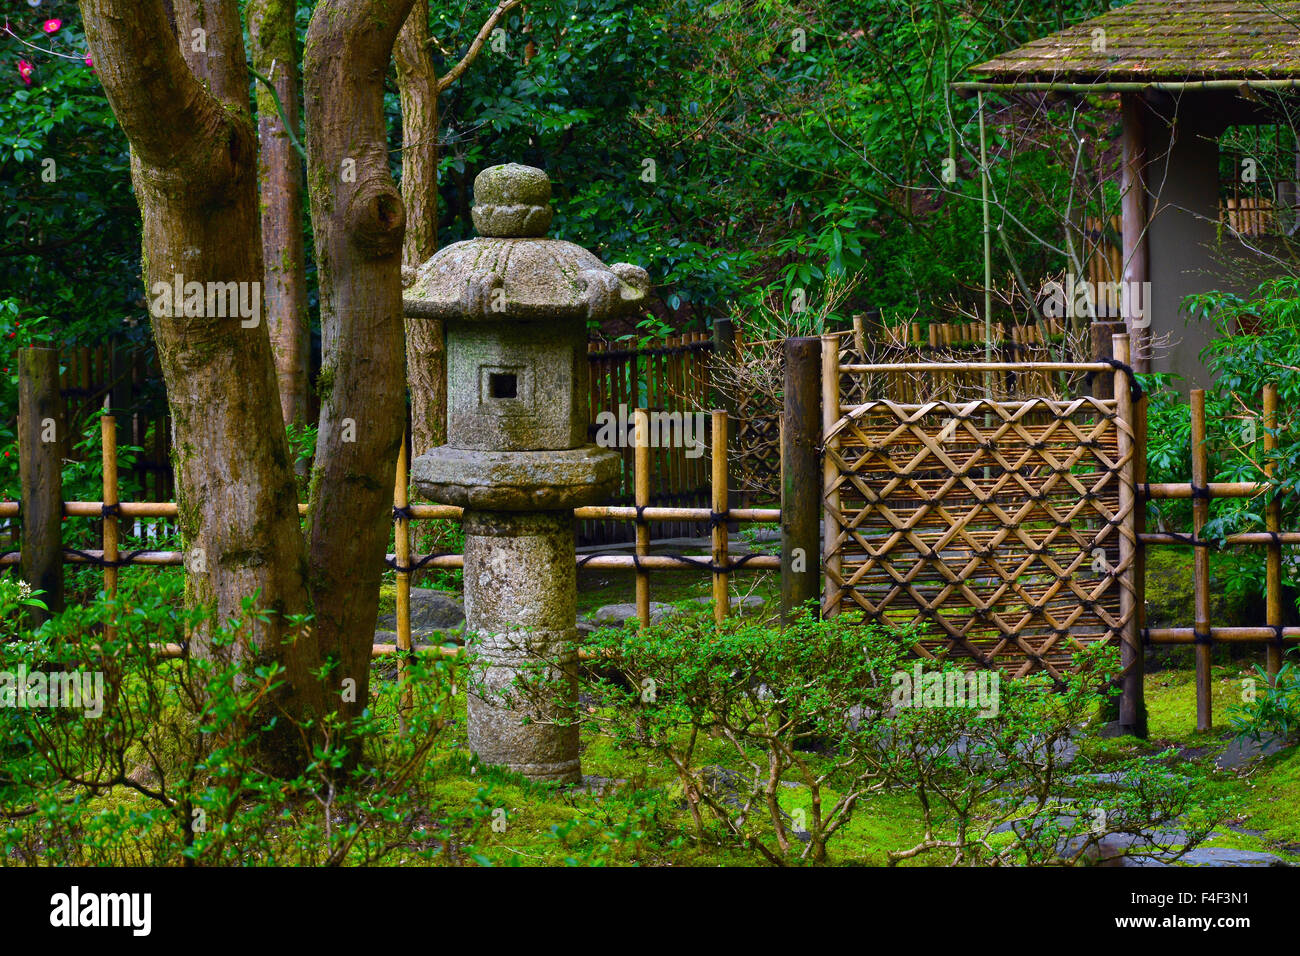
point(1133, 211)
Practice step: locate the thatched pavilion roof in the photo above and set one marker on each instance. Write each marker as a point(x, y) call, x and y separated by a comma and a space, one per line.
point(1163, 40)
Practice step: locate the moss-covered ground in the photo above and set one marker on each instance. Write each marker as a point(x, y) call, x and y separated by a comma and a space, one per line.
point(631, 809)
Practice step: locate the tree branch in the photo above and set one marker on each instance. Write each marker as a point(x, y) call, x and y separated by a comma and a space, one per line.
point(454, 74)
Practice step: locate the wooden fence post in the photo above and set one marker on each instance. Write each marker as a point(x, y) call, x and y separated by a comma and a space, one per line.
point(1132, 712)
point(721, 579)
point(724, 353)
point(1201, 582)
point(40, 441)
point(402, 553)
point(1272, 523)
point(1103, 347)
point(1138, 689)
point(108, 450)
point(641, 497)
point(801, 478)
point(830, 499)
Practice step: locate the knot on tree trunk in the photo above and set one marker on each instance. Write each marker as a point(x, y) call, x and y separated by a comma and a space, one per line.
point(376, 218)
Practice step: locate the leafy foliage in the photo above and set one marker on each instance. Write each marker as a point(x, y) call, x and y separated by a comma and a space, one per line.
point(1258, 343)
point(743, 712)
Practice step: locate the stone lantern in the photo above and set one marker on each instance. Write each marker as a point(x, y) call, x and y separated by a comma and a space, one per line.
point(517, 307)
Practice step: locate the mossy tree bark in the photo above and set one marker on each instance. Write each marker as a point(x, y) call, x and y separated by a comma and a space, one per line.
point(420, 86)
point(358, 221)
point(179, 89)
point(272, 45)
point(426, 358)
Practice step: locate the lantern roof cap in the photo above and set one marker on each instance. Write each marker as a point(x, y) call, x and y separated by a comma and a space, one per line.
point(512, 271)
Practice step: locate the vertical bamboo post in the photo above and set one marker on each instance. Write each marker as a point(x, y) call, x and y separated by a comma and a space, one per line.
point(1129, 447)
point(641, 483)
point(1200, 514)
point(1140, 581)
point(988, 248)
point(830, 473)
point(721, 596)
point(800, 476)
point(1273, 524)
point(40, 468)
point(108, 442)
point(726, 355)
point(402, 545)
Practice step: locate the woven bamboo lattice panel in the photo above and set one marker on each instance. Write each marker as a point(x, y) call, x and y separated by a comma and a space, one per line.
point(993, 527)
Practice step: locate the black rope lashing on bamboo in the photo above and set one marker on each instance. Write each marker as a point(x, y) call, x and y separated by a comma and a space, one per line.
point(1200, 492)
point(686, 560)
point(102, 562)
point(403, 513)
point(1202, 637)
point(111, 511)
point(391, 563)
point(1188, 539)
point(1134, 386)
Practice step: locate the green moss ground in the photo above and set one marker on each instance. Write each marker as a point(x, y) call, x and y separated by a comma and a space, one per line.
point(1265, 798)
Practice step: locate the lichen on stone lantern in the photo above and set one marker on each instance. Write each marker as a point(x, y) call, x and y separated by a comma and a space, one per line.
point(517, 307)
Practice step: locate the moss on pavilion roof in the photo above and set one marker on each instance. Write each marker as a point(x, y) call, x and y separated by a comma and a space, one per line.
point(1166, 40)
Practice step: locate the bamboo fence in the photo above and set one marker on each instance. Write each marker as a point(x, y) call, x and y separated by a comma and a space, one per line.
point(1001, 530)
point(718, 564)
point(1203, 633)
point(672, 375)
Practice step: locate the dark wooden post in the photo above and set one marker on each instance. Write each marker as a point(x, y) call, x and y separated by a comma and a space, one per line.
point(1133, 220)
point(1273, 522)
point(801, 476)
point(40, 465)
point(1134, 675)
point(1130, 445)
point(1103, 348)
point(1201, 567)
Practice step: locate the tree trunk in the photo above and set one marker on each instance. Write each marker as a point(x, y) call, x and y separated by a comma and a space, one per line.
point(193, 164)
point(272, 39)
point(426, 357)
point(358, 222)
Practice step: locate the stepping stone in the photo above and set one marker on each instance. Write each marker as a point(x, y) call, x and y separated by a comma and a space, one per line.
point(418, 638)
point(612, 615)
point(431, 610)
point(1242, 751)
point(1226, 856)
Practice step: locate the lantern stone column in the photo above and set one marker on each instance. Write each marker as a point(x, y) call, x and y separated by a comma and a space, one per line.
point(517, 308)
point(519, 619)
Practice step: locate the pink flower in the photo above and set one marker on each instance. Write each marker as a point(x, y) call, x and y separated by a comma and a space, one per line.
point(90, 62)
point(25, 71)
point(51, 26)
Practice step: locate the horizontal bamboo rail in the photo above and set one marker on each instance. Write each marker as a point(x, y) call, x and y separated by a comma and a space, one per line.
point(167, 509)
point(1216, 489)
point(176, 651)
point(981, 366)
point(717, 562)
point(1241, 538)
point(1240, 635)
